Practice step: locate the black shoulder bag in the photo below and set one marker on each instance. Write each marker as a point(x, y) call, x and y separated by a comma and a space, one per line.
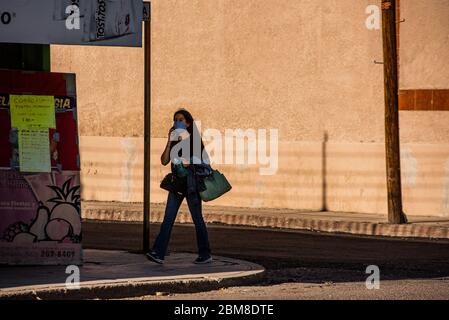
point(174, 184)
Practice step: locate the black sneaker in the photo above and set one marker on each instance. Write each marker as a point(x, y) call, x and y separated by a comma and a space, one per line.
point(203, 260)
point(152, 256)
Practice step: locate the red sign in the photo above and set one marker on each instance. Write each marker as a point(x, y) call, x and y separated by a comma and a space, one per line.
point(40, 213)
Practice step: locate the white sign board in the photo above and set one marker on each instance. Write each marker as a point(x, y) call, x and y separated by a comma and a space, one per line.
point(76, 22)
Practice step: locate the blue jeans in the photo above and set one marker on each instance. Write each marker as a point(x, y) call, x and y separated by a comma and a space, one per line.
point(174, 201)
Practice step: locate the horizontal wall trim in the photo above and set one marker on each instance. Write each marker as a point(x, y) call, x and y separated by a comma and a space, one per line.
point(424, 100)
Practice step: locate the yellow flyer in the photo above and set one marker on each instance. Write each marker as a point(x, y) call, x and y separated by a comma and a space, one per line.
point(28, 111)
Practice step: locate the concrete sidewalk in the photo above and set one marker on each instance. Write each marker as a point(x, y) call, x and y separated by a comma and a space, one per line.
point(337, 222)
point(116, 274)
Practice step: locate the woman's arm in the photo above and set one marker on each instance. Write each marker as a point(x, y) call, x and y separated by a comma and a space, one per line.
point(165, 157)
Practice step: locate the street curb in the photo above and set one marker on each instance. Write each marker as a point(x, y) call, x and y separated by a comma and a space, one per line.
point(410, 230)
point(127, 289)
point(350, 227)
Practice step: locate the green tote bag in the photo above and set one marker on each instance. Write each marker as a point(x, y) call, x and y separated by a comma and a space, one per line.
point(216, 185)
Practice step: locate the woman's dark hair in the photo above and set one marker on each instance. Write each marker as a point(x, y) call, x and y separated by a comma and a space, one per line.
point(188, 116)
point(192, 130)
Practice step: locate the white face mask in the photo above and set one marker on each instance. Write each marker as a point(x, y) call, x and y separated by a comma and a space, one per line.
point(106, 19)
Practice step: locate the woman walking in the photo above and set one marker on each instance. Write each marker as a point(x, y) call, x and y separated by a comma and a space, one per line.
point(188, 170)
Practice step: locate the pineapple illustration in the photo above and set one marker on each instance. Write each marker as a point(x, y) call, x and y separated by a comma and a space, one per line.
point(65, 219)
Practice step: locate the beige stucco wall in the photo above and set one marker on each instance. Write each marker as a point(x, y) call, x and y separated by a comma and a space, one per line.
point(302, 67)
point(424, 56)
point(354, 176)
point(424, 44)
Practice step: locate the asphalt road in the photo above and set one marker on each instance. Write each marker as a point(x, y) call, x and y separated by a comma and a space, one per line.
point(302, 265)
point(277, 250)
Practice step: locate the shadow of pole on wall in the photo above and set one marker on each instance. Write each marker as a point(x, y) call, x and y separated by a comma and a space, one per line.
point(324, 173)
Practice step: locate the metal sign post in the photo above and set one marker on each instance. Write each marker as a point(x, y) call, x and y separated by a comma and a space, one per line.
point(147, 127)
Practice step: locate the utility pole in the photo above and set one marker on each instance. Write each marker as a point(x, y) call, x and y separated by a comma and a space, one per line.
point(147, 128)
point(391, 86)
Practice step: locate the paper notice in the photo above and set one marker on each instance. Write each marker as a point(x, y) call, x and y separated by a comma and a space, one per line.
point(29, 111)
point(34, 150)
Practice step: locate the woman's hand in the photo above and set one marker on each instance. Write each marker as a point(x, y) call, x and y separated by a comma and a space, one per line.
point(169, 133)
point(185, 163)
